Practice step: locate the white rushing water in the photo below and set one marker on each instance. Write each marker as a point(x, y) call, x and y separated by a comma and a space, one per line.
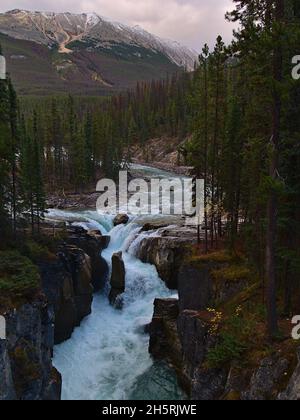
point(107, 357)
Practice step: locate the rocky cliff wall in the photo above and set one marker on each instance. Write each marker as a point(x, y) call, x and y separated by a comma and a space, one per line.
point(184, 332)
point(67, 286)
point(26, 369)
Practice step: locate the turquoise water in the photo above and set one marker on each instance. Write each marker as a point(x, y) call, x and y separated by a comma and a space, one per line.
point(107, 357)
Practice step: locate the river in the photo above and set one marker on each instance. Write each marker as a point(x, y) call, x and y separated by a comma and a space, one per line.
point(107, 357)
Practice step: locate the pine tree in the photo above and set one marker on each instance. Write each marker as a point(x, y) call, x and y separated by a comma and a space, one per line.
point(27, 170)
point(232, 163)
point(4, 155)
point(89, 148)
point(38, 182)
point(14, 145)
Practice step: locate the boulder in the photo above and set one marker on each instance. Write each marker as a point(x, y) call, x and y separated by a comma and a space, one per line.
point(117, 280)
point(149, 227)
point(121, 219)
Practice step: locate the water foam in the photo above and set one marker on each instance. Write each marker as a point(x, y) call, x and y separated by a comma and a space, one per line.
point(108, 355)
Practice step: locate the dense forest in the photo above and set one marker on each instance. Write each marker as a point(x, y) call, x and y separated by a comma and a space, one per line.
point(104, 131)
point(236, 118)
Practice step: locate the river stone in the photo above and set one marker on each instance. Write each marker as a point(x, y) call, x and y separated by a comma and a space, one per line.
point(121, 219)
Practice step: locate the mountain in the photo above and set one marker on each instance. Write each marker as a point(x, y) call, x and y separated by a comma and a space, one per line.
point(84, 53)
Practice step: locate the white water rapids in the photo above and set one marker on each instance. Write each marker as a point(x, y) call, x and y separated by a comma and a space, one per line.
point(107, 357)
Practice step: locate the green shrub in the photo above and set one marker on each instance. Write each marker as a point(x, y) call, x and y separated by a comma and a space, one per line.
point(230, 348)
point(232, 273)
point(18, 275)
point(234, 340)
point(35, 251)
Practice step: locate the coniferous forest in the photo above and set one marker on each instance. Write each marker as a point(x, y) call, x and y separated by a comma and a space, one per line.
point(236, 121)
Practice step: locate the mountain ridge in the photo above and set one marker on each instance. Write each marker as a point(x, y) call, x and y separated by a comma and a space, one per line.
point(50, 28)
point(85, 54)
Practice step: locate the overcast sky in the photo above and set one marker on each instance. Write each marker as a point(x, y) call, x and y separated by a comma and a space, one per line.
point(192, 22)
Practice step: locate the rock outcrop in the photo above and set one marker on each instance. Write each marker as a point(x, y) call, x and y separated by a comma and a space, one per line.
point(200, 284)
point(67, 284)
point(166, 251)
point(92, 243)
point(117, 280)
point(26, 355)
point(165, 312)
point(182, 339)
point(121, 219)
point(182, 333)
point(195, 341)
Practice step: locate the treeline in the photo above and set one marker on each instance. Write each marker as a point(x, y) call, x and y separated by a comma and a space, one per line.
point(85, 138)
point(22, 196)
point(246, 143)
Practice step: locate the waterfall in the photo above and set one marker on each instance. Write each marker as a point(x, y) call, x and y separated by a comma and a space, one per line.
point(107, 356)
